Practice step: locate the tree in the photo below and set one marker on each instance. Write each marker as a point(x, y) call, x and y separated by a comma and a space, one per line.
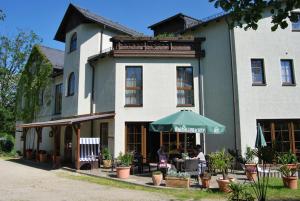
point(249, 12)
point(14, 53)
point(2, 15)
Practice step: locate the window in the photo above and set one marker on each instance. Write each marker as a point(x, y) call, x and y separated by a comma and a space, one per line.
point(71, 84)
point(287, 74)
point(104, 135)
point(258, 74)
point(173, 141)
point(134, 86)
point(58, 98)
point(185, 86)
point(296, 24)
point(73, 42)
point(283, 135)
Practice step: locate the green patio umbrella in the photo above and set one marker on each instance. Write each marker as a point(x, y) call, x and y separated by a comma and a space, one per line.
point(260, 139)
point(186, 121)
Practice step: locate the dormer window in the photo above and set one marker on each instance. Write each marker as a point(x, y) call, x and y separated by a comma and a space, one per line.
point(296, 24)
point(73, 42)
point(71, 84)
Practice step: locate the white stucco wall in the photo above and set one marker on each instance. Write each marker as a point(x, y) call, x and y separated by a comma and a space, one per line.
point(217, 82)
point(272, 101)
point(88, 44)
point(104, 85)
point(159, 93)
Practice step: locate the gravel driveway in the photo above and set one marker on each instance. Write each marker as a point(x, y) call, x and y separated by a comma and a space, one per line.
point(20, 182)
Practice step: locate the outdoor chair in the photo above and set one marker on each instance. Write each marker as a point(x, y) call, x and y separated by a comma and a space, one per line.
point(191, 166)
point(89, 151)
point(137, 163)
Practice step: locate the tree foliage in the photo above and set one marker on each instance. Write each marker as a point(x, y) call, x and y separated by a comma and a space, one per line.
point(251, 11)
point(14, 52)
point(34, 80)
point(2, 15)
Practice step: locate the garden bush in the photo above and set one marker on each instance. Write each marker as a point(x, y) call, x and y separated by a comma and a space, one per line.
point(6, 143)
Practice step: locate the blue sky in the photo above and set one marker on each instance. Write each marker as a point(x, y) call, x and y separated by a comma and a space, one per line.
point(44, 16)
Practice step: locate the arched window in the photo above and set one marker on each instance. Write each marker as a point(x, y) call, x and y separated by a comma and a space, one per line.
point(73, 42)
point(71, 84)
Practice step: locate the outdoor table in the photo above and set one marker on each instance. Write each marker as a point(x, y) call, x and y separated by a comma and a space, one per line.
point(179, 163)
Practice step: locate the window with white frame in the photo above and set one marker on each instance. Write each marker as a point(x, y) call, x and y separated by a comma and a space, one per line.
point(258, 74)
point(296, 24)
point(287, 72)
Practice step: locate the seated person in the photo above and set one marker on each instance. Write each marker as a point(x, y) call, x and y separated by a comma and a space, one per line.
point(200, 156)
point(163, 158)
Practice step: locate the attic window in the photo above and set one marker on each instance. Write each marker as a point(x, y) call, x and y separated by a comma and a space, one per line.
point(296, 24)
point(73, 42)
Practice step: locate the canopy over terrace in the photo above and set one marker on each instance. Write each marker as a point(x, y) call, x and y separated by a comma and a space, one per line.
point(56, 124)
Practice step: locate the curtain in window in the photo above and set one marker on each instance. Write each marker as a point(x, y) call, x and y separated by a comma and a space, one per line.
point(133, 92)
point(185, 92)
point(286, 71)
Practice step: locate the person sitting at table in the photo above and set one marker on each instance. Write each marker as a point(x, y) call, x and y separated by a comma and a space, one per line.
point(200, 156)
point(163, 158)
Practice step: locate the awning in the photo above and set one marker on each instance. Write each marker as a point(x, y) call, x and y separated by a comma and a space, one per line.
point(66, 122)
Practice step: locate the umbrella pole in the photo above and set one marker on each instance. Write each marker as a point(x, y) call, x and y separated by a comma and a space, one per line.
point(185, 142)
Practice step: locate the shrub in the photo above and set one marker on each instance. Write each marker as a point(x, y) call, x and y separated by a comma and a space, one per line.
point(287, 158)
point(221, 161)
point(125, 159)
point(6, 142)
point(106, 155)
point(239, 192)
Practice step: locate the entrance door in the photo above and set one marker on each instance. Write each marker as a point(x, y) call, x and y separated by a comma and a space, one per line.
point(103, 136)
point(68, 144)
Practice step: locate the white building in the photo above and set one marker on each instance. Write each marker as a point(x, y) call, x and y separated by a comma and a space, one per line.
point(114, 86)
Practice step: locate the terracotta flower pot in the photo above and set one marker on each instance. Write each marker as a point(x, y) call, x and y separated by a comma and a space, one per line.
point(290, 182)
point(28, 154)
point(205, 181)
point(223, 184)
point(251, 176)
point(106, 163)
point(123, 172)
point(56, 161)
point(292, 166)
point(43, 157)
point(157, 178)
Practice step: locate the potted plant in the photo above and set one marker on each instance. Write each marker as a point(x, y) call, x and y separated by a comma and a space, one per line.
point(238, 192)
point(43, 156)
point(28, 153)
point(157, 178)
point(288, 159)
point(222, 162)
point(177, 179)
point(289, 177)
point(250, 165)
point(106, 158)
point(123, 169)
point(205, 179)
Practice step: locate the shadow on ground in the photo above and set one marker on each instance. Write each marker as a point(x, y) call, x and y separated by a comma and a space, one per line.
point(33, 164)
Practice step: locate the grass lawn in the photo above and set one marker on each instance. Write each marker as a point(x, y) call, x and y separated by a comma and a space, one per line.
point(276, 191)
point(7, 156)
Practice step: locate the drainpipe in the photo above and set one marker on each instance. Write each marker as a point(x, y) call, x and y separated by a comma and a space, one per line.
point(201, 99)
point(233, 83)
point(93, 85)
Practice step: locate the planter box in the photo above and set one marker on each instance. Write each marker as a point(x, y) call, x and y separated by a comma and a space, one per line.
point(176, 182)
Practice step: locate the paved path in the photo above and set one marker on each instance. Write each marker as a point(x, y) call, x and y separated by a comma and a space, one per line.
point(20, 182)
